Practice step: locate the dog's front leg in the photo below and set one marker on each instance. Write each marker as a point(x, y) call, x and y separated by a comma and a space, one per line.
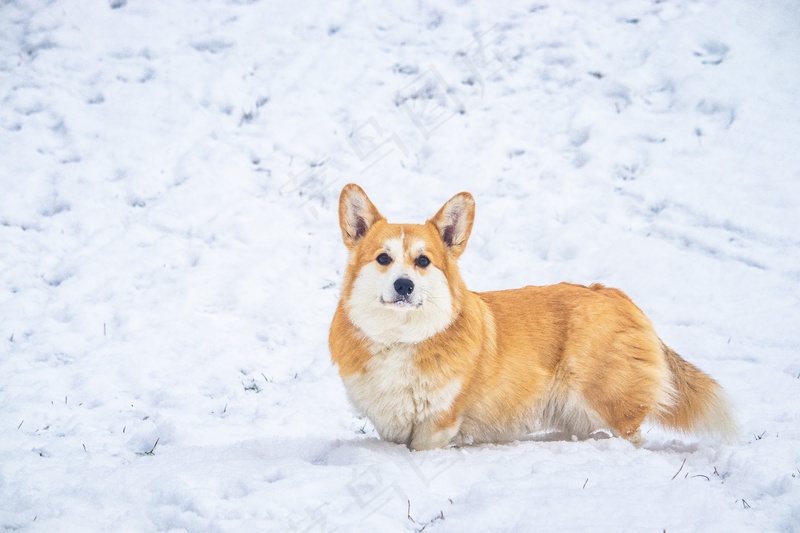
point(435, 432)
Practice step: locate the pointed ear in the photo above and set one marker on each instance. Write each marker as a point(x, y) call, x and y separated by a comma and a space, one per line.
point(454, 222)
point(356, 214)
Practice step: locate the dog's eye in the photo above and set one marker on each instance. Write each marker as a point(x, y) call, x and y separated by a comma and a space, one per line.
point(423, 261)
point(384, 259)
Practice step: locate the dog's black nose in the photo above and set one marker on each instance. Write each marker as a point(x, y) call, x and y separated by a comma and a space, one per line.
point(404, 286)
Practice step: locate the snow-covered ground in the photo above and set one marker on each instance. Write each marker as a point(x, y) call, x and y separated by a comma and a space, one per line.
point(170, 256)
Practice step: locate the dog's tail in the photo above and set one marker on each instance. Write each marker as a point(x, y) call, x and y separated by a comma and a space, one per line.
point(699, 403)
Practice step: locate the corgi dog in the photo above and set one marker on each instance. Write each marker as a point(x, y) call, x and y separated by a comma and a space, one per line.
point(432, 364)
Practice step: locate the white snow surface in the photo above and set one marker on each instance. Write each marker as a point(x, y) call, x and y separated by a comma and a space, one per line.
point(170, 256)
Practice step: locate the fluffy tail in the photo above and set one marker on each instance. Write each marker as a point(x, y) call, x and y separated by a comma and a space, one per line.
point(700, 405)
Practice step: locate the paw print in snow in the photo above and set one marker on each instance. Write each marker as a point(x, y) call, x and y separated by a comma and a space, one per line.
point(630, 165)
point(717, 113)
point(712, 52)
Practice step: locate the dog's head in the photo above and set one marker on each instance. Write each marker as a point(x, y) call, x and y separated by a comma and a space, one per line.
point(402, 282)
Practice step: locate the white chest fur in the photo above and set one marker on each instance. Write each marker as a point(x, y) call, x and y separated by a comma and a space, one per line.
point(396, 397)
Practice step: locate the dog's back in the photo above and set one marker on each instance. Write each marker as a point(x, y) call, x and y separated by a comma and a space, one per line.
point(579, 359)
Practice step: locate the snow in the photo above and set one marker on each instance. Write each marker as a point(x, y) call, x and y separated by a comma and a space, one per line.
point(170, 256)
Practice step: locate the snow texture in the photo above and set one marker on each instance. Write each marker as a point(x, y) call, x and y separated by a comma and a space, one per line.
point(170, 256)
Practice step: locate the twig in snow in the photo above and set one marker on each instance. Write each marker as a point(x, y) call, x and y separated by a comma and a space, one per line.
point(745, 504)
point(252, 387)
point(701, 475)
point(20, 424)
point(152, 450)
point(585, 482)
point(679, 470)
point(759, 437)
point(435, 519)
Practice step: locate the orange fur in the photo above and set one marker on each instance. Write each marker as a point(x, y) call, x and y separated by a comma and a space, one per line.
point(504, 363)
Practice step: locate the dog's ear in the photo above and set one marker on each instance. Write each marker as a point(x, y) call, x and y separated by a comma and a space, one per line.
point(454, 222)
point(356, 214)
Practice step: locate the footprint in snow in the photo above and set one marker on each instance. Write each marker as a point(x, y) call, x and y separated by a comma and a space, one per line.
point(630, 166)
point(660, 97)
point(711, 52)
point(719, 114)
